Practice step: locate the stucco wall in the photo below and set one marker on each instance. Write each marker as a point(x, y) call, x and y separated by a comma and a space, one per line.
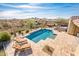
point(72, 28)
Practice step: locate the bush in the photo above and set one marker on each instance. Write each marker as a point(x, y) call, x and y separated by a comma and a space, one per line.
point(11, 33)
point(4, 36)
point(27, 31)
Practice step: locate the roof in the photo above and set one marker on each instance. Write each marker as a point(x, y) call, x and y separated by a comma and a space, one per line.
point(76, 22)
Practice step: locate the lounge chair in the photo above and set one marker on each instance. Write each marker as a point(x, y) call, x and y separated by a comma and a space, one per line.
point(21, 45)
point(49, 50)
point(25, 46)
point(20, 39)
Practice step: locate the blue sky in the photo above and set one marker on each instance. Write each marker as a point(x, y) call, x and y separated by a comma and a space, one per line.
point(41, 10)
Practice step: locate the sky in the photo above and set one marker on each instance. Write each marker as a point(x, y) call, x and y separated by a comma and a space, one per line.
point(40, 10)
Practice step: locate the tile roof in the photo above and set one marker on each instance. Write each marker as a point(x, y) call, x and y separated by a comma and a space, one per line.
point(76, 22)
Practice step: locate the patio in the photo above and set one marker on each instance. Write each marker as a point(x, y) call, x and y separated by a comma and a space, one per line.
point(64, 44)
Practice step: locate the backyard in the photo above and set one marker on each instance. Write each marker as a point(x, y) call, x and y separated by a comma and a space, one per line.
point(26, 26)
point(39, 29)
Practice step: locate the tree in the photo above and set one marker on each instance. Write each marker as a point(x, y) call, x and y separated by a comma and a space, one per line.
point(43, 25)
point(60, 21)
point(31, 23)
point(6, 25)
point(4, 36)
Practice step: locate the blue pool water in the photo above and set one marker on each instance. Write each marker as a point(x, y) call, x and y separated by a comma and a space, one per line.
point(41, 34)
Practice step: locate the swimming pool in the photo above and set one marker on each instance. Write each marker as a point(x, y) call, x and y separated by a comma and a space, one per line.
point(41, 34)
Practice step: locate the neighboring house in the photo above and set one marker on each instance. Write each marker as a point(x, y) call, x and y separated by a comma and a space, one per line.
point(50, 23)
point(73, 27)
point(45, 22)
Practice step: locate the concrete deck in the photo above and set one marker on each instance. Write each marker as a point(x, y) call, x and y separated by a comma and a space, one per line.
point(64, 45)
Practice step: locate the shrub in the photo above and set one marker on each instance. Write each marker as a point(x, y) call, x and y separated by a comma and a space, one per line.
point(27, 31)
point(11, 33)
point(4, 36)
point(18, 31)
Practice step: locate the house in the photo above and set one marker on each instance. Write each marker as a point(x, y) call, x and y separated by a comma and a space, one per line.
point(73, 27)
point(50, 23)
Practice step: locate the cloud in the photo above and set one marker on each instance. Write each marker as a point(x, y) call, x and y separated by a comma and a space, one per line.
point(37, 10)
point(20, 14)
point(16, 14)
point(34, 4)
point(29, 6)
point(10, 13)
point(7, 5)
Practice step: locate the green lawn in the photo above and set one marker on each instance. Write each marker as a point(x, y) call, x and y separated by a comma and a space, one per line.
point(2, 53)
